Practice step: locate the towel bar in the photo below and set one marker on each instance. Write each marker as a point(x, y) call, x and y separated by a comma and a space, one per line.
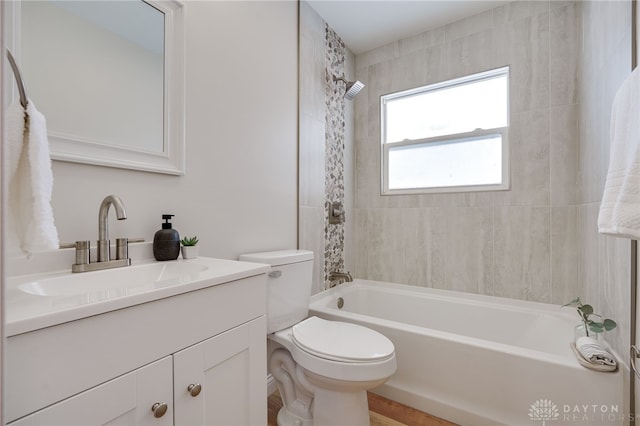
point(16, 73)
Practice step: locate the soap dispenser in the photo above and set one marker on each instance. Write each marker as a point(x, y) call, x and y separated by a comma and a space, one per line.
point(166, 242)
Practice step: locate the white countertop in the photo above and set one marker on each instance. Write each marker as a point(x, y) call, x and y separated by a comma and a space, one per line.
point(26, 312)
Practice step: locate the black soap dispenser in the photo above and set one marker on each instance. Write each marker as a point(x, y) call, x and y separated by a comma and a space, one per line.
point(166, 242)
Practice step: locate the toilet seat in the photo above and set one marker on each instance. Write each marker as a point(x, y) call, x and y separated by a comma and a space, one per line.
point(341, 341)
point(328, 362)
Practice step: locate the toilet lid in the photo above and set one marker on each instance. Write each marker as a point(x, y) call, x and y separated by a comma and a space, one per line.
point(341, 341)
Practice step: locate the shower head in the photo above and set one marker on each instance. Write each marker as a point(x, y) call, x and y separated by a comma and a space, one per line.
point(353, 87)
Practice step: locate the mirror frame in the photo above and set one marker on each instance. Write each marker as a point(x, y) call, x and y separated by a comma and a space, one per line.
point(172, 159)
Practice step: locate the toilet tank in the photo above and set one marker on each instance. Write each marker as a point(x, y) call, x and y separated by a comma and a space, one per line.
point(288, 285)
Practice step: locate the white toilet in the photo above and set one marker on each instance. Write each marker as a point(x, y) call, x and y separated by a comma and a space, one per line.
point(323, 368)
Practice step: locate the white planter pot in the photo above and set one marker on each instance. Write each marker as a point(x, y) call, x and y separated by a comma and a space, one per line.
point(189, 252)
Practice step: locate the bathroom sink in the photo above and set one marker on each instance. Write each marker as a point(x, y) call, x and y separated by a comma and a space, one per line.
point(45, 298)
point(116, 282)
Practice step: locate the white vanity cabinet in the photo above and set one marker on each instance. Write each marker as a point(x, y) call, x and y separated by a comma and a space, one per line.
point(112, 368)
point(125, 400)
point(215, 380)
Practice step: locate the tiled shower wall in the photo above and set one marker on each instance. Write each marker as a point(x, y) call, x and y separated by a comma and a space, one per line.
point(334, 151)
point(326, 146)
point(603, 262)
point(539, 240)
point(520, 243)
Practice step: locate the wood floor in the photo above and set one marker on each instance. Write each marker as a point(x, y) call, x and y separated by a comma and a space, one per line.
point(382, 412)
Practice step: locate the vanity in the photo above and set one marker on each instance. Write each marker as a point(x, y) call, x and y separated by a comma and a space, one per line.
point(156, 343)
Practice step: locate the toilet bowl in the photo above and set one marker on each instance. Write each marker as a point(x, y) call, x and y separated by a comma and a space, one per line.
point(323, 368)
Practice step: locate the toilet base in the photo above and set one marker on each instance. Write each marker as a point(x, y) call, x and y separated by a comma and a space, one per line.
point(340, 408)
point(310, 399)
point(287, 418)
point(331, 409)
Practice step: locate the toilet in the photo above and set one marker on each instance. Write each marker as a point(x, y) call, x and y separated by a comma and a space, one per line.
point(323, 368)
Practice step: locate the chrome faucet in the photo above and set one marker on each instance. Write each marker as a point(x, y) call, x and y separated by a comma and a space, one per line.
point(103, 224)
point(339, 275)
point(83, 249)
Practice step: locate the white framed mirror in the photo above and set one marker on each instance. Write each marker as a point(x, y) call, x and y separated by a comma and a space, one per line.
point(109, 78)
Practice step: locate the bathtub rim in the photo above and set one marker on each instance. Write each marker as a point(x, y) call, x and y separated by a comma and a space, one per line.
point(568, 359)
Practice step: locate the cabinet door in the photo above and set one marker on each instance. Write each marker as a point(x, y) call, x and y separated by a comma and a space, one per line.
point(126, 400)
point(231, 370)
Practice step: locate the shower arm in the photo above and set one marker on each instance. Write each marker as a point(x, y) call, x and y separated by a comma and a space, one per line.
point(336, 79)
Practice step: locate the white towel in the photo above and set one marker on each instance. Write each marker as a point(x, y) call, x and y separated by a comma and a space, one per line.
point(593, 352)
point(620, 208)
point(30, 181)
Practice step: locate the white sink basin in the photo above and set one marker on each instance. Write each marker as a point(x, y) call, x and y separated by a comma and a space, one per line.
point(46, 298)
point(116, 282)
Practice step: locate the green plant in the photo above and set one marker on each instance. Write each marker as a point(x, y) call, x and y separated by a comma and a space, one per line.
point(189, 241)
point(585, 311)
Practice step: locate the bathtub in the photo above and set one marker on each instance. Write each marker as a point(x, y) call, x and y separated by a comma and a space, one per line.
point(479, 360)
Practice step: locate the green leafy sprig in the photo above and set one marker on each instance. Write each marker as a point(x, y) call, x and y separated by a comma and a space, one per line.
point(585, 311)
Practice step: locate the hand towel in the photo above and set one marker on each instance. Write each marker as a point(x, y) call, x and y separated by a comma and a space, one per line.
point(30, 182)
point(620, 208)
point(593, 352)
point(16, 121)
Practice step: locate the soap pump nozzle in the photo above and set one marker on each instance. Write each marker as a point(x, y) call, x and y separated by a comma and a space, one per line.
point(166, 218)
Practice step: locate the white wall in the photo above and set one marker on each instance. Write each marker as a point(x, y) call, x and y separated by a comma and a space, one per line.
point(239, 193)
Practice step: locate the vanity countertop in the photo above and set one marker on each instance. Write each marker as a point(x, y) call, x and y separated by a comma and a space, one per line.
point(35, 301)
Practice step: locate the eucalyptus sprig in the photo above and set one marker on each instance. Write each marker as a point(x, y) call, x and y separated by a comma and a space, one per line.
point(584, 311)
point(189, 241)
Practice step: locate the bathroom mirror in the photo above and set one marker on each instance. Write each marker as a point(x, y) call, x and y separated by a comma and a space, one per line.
point(108, 77)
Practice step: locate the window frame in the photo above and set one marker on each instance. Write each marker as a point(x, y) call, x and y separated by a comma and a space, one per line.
point(446, 139)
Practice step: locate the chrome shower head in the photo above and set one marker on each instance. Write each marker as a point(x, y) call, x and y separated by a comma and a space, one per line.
point(353, 87)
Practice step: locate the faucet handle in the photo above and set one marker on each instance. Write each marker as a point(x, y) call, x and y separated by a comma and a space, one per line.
point(83, 250)
point(336, 212)
point(122, 248)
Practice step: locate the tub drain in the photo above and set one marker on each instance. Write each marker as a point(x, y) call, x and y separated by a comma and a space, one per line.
point(340, 302)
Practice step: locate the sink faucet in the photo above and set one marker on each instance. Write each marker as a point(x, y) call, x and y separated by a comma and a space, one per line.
point(103, 224)
point(339, 275)
point(83, 248)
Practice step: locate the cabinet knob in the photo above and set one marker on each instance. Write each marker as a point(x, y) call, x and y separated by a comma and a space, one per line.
point(159, 409)
point(194, 389)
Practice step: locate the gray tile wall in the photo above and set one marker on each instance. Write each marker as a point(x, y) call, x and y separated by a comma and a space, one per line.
point(506, 243)
point(603, 262)
point(326, 147)
point(539, 240)
point(312, 147)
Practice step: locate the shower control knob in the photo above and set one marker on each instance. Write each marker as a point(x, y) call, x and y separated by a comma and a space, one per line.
point(159, 409)
point(194, 389)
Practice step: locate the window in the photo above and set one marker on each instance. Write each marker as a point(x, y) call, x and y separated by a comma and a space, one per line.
point(447, 137)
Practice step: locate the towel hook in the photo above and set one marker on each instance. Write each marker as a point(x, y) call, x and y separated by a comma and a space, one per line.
point(16, 73)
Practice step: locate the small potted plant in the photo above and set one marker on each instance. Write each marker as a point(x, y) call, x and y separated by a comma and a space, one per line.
point(189, 247)
point(585, 311)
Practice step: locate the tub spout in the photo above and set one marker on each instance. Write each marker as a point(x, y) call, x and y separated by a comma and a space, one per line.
point(339, 275)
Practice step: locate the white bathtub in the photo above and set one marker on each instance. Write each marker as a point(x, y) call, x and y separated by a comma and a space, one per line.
point(479, 360)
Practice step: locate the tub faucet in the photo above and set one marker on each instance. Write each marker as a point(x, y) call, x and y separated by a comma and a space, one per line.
point(339, 275)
